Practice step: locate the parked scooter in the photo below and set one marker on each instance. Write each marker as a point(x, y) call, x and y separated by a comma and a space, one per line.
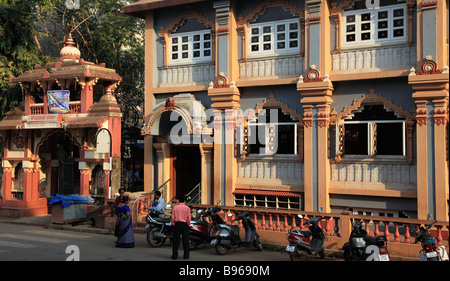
point(227, 236)
point(158, 230)
point(365, 248)
point(304, 243)
point(429, 252)
point(200, 231)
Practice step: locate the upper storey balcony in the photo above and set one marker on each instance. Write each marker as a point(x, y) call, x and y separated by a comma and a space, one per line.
point(271, 42)
point(373, 40)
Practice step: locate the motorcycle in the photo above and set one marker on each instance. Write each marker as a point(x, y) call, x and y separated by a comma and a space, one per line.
point(365, 248)
point(429, 252)
point(227, 236)
point(304, 243)
point(158, 230)
point(200, 231)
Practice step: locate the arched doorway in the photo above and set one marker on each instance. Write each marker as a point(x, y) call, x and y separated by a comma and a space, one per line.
point(185, 169)
point(177, 126)
point(58, 152)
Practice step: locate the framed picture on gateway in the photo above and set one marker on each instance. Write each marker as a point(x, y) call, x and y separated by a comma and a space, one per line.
point(58, 101)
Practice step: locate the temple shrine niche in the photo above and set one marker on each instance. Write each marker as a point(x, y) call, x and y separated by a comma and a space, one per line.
point(51, 141)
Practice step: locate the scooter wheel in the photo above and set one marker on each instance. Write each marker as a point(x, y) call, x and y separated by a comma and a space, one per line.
point(258, 245)
point(221, 250)
point(192, 245)
point(152, 240)
point(322, 254)
point(298, 255)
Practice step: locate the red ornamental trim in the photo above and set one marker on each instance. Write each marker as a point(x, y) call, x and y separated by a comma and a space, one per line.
point(266, 193)
point(222, 86)
point(438, 111)
point(307, 123)
point(170, 103)
point(440, 121)
point(421, 120)
point(70, 56)
point(428, 4)
point(223, 30)
point(323, 123)
point(317, 79)
point(421, 112)
point(314, 18)
point(426, 72)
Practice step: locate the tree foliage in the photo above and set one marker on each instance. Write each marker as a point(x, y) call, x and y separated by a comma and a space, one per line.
point(102, 33)
point(18, 51)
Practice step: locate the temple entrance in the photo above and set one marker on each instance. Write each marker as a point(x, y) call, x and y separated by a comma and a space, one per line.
point(58, 154)
point(186, 169)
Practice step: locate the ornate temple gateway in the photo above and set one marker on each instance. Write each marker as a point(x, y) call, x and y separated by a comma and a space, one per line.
point(61, 141)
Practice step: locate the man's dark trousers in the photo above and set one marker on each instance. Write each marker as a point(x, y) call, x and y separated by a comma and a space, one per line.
point(183, 229)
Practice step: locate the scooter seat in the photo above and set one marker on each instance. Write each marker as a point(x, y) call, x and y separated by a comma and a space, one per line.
point(168, 220)
point(205, 223)
point(302, 233)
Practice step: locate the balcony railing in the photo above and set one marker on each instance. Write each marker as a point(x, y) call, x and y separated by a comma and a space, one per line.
point(375, 58)
point(38, 108)
point(272, 67)
point(186, 75)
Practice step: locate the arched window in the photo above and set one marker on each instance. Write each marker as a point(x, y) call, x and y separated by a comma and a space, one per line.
point(272, 128)
point(188, 39)
point(371, 126)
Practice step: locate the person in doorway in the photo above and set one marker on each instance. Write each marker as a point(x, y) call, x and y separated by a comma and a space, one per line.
point(158, 208)
point(125, 234)
point(181, 219)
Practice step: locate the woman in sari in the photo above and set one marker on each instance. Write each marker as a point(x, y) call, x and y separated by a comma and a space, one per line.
point(125, 234)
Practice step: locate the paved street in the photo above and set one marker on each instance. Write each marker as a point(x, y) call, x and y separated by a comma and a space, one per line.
point(36, 243)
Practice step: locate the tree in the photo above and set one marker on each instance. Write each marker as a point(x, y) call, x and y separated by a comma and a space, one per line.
point(102, 33)
point(18, 50)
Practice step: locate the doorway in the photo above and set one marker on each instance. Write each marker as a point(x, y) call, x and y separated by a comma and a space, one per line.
point(186, 168)
point(58, 154)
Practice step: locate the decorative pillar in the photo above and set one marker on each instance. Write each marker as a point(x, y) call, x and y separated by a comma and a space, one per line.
point(441, 156)
point(87, 95)
point(149, 71)
point(28, 193)
point(85, 176)
point(160, 159)
point(7, 181)
point(219, 168)
point(422, 167)
point(107, 192)
point(225, 97)
point(206, 151)
point(318, 35)
point(316, 101)
point(431, 94)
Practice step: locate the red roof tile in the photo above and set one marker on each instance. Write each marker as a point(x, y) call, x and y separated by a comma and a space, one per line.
point(266, 192)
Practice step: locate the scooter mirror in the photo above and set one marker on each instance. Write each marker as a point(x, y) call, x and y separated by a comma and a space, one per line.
point(300, 216)
point(320, 209)
point(218, 202)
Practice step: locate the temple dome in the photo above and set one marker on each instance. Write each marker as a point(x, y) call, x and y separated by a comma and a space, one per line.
point(69, 53)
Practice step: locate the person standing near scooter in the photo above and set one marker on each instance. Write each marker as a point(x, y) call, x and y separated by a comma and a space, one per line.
point(181, 219)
